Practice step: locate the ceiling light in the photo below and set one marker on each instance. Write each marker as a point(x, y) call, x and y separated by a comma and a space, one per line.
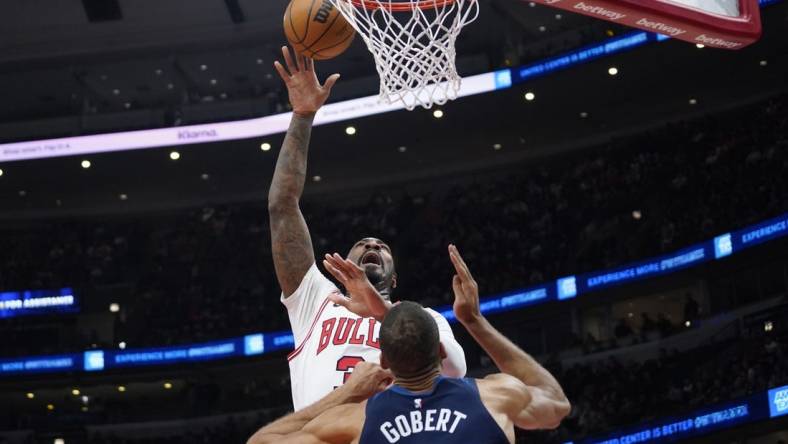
point(22, 193)
point(267, 146)
point(30, 395)
point(203, 67)
point(60, 441)
point(583, 114)
point(687, 324)
point(317, 178)
point(558, 16)
point(763, 62)
point(529, 96)
point(700, 46)
point(693, 101)
point(114, 307)
point(350, 130)
point(205, 176)
point(402, 149)
point(542, 28)
point(167, 385)
point(174, 155)
point(214, 81)
point(531, 4)
point(612, 70)
point(259, 61)
point(75, 392)
point(122, 345)
point(121, 388)
point(116, 92)
point(123, 196)
point(159, 72)
point(85, 164)
point(127, 105)
point(1, 172)
point(84, 408)
point(170, 86)
point(438, 113)
point(637, 215)
point(768, 326)
point(497, 146)
point(50, 407)
point(85, 399)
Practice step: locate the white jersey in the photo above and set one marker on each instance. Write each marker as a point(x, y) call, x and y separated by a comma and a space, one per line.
point(330, 341)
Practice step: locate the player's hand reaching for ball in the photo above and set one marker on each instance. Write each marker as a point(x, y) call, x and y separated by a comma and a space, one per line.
point(306, 93)
point(364, 300)
point(366, 380)
point(466, 291)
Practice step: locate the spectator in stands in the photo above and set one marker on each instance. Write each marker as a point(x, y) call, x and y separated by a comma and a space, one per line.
point(623, 330)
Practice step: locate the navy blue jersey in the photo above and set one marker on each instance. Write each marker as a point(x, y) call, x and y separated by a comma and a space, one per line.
point(451, 413)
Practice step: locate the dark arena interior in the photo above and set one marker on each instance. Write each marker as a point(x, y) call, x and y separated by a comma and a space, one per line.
point(624, 212)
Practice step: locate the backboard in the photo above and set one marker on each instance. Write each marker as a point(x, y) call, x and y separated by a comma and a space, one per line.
point(728, 24)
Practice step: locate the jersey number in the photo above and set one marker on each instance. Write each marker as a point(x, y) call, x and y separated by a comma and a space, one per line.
point(347, 363)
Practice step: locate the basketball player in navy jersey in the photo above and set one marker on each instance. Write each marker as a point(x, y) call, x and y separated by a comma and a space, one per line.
point(422, 406)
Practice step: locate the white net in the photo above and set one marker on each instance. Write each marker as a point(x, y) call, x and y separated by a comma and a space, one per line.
point(413, 43)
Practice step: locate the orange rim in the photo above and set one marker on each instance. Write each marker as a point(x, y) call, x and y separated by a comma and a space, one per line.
point(400, 6)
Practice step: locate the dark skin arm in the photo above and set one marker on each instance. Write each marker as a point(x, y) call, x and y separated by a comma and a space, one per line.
point(290, 241)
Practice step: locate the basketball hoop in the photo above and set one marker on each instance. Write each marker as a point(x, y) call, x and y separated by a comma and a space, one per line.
point(413, 43)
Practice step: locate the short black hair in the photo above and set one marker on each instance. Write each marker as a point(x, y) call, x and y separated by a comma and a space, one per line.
point(409, 339)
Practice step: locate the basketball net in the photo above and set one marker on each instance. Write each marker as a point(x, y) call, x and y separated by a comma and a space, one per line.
point(413, 43)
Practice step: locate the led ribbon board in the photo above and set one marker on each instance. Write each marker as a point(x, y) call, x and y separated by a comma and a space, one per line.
point(727, 24)
point(701, 422)
point(249, 345)
point(37, 302)
point(570, 287)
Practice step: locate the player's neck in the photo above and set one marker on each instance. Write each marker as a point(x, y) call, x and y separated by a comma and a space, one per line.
point(419, 383)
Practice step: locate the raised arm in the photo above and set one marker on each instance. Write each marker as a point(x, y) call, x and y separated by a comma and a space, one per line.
point(290, 240)
point(548, 405)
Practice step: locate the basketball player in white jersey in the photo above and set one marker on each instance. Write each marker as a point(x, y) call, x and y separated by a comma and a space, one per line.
point(329, 339)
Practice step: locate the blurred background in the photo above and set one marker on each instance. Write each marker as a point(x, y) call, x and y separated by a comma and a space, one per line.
point(625, 217)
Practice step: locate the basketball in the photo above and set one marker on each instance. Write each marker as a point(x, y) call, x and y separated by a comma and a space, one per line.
point(316, 29)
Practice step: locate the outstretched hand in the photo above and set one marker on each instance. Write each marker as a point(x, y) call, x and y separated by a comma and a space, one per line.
point(366, 380)
point(306, 93)
point(365, 301)
point(466, 290)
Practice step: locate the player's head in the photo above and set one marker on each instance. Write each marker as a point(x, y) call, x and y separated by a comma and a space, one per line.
point(409, 341)
point(375, 257)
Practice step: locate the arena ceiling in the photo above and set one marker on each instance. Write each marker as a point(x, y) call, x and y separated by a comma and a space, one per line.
point(195, 55)
point(93, 56)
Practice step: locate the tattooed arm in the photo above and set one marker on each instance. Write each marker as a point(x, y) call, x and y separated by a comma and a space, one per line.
point(291, 243)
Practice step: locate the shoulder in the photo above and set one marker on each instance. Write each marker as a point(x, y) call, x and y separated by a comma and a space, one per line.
point(439, 318)
point(314, 283)
point(504, 386)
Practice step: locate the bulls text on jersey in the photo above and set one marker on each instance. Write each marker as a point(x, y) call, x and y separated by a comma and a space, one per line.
point(343, 330)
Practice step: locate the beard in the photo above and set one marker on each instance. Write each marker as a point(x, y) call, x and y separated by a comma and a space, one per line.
point(375, 274)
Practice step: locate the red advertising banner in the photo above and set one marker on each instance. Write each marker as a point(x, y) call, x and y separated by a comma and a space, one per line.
point(687, 20)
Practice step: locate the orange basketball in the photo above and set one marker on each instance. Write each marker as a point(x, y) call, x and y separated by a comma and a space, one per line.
point(316, 29)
